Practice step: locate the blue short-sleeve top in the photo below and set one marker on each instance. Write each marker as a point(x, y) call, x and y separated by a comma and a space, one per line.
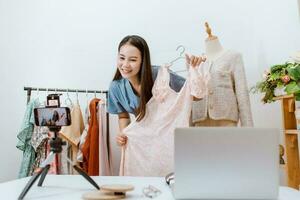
point(121, 96)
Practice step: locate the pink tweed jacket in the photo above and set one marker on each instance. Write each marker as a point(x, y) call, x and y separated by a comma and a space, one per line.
point(227, 92)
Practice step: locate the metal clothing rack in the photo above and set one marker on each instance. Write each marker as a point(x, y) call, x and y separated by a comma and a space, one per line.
point(29, 89)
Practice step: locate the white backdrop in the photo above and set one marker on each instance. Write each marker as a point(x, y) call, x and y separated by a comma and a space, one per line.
point(73, 44)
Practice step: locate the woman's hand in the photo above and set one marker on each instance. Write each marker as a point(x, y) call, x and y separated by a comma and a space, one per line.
point(121, 139)
point(124, 120)
point(194, 61)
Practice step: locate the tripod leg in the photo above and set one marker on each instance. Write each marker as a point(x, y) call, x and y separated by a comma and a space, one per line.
point(43, 175)
point(30, 183)
point(86, 176)
point(44, 167)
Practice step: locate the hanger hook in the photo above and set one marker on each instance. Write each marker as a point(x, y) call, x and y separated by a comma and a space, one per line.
point(77, 95)
point(87, 98)
point(68, 98)
point(182, 51)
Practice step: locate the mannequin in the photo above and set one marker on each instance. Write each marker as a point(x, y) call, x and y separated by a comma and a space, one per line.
point(227, 100)
point(213, 47)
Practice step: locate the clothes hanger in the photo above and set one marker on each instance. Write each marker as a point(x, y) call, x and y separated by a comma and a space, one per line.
point(68, 100)
point(77, 97)
point(37, 94)
point(87, 97)
point(180, 55)
point(47, 93)
point(87, 105)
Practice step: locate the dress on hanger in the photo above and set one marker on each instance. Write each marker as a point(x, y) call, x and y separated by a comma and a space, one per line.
point(90, 148)
point(149, 148)
point(73, 132)
point(39, 141)
point(105, 157)
point(24, 136)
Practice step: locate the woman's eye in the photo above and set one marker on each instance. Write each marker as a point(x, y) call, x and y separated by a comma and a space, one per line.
point(122, 58)
point(133, 60)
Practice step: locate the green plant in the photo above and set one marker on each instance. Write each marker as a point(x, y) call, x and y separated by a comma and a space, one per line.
point(285, 76)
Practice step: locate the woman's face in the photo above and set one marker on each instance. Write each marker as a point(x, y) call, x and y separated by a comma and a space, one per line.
point(129, 61)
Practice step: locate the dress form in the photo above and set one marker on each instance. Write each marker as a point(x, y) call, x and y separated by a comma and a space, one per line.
point(213, 47)
point(213, 50)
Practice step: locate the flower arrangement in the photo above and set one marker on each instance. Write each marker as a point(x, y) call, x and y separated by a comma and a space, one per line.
point(285, 77)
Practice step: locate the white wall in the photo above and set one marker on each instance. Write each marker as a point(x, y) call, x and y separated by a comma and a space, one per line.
point(73, 44)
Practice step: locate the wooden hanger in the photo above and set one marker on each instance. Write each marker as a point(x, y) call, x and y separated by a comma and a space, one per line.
point(208, 31)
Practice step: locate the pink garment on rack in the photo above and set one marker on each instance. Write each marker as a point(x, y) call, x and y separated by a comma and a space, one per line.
point(105, 157)
point(149, 149)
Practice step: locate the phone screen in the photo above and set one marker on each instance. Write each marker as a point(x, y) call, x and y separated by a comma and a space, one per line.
point(52, 116)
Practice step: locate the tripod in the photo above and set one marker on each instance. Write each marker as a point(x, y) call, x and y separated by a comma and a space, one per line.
point(55, 147)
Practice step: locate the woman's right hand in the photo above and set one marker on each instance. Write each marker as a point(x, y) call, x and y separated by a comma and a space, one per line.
point(121, 140)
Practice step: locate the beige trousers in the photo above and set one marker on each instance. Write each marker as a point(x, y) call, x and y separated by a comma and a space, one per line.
point(212, 122)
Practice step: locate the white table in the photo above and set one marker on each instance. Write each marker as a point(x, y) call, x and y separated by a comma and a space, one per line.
point(73, 186)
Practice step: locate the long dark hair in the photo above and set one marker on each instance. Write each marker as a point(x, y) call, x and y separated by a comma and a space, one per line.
point(55, 116)
point(144, 75)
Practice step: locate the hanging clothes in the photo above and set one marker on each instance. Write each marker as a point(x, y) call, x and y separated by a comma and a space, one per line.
point(73, 132)
point(90, 148)
point(149, 149)
point(38, 141)
point(83, 135)
point(24, 136)
point(72, 135)
point(105, 157)
point(81, 143)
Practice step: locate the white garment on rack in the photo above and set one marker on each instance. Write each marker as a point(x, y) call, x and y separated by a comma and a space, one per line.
point(81, 142)
point(83, 134)
point(149, 149)
point(105, 158)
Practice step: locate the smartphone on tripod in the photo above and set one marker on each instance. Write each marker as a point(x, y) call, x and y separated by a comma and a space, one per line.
point(54, 117)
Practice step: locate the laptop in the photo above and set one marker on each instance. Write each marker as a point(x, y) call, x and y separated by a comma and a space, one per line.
point(226, 163)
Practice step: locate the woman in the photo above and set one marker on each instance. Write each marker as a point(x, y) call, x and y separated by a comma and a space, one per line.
point(131, 87)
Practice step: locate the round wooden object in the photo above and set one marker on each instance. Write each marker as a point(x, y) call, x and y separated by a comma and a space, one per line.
point(98, 195)
point(117, 188)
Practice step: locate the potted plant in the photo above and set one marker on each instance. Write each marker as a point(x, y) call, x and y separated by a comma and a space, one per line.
point(280, 79)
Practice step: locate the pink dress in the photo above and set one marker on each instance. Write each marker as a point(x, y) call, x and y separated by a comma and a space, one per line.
point(149, 149)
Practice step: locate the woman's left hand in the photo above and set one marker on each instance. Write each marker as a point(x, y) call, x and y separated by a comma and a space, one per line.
point(194, 61)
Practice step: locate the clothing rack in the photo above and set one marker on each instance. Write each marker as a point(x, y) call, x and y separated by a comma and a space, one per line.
point(29, 89)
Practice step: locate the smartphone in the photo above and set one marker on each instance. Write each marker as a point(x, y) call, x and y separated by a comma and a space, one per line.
point(58, 116)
